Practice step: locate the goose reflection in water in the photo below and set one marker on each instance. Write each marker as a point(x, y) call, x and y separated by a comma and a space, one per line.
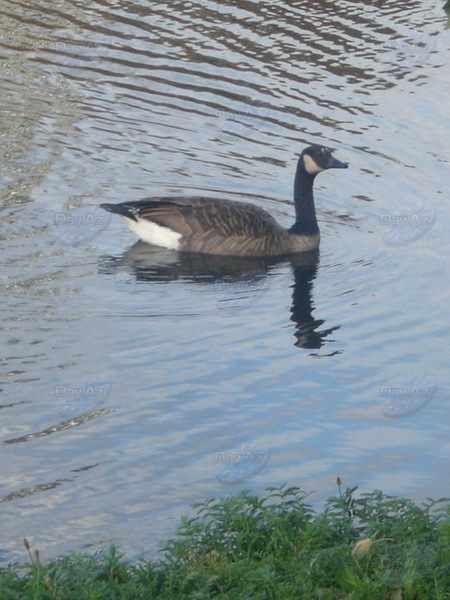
point(151, 264)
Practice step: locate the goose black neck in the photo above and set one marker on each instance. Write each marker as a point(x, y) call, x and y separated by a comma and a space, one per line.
point(305, 212)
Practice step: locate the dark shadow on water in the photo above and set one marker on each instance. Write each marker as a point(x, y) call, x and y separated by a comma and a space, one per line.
point(149, 264)
point(308, 332)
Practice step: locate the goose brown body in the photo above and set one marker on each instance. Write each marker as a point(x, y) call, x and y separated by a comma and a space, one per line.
point(216, 226)
point(228, 227)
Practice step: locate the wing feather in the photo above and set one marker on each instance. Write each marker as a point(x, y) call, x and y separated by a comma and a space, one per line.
point(206, 216)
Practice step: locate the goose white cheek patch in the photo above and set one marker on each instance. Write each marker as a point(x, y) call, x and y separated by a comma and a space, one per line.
point(155, 234)
point(310, 165)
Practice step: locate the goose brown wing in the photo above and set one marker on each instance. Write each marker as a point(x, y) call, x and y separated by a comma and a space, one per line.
point(200, 216)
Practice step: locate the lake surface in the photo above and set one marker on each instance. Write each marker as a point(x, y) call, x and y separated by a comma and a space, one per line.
point(136, 381)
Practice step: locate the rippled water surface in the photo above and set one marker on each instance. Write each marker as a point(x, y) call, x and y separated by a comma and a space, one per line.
point(136, 381)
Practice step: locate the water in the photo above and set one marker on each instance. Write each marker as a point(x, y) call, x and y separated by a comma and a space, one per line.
point(136, 381)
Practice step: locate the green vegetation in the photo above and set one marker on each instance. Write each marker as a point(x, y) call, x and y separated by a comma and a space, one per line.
point(368, 546)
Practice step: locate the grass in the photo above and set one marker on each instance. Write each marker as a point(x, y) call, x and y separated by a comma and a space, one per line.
point(368, 546)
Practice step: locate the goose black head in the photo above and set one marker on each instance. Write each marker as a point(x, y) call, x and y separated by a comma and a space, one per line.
point(318, 158)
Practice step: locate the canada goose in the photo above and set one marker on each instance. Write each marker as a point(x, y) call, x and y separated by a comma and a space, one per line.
point(228, 227)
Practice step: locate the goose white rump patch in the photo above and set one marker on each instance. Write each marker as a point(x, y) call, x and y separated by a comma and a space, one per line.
point(155, 234)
